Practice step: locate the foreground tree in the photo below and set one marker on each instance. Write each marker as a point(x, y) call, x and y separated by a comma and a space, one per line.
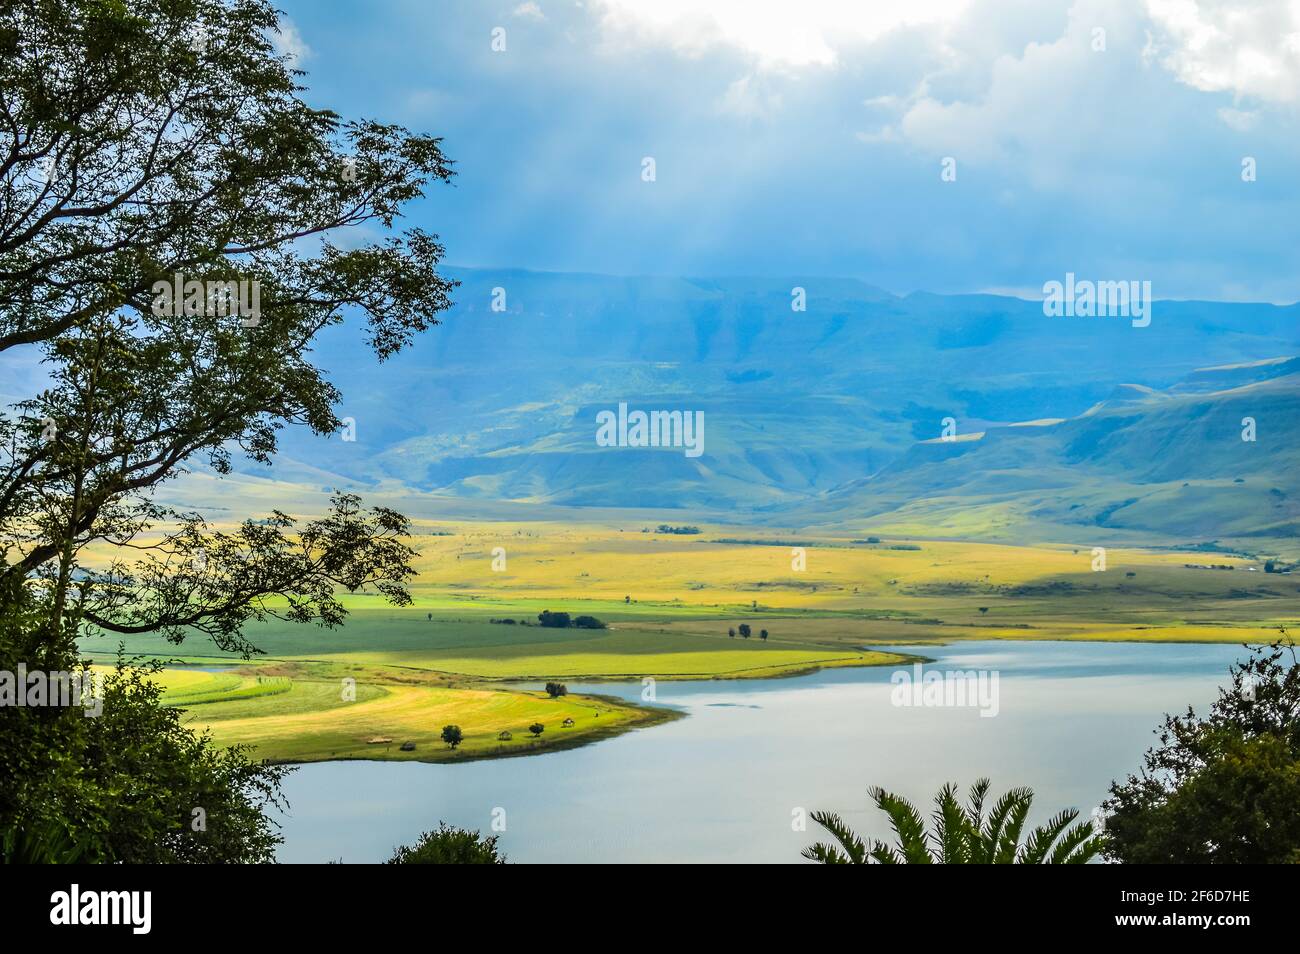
point(452, 735)
point(450, 846)
point(145, 147)
point(160, 142)
point(1223, 788)
point(963, 834)
point(132, 784)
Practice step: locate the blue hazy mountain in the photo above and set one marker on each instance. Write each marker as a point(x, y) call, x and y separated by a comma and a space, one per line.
point(835, 410)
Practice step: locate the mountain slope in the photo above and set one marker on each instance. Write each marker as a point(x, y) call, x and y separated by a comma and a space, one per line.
point(503, 405)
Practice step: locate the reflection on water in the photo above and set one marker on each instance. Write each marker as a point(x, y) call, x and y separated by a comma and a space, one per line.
point(725, 783)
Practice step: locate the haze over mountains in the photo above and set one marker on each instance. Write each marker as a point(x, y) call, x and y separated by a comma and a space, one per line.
point(832, 415)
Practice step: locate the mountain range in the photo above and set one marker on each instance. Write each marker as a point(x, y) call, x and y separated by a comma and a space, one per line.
point(963, 413)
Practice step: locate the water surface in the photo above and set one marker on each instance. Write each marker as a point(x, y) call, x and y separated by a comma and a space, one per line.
point(731, 781)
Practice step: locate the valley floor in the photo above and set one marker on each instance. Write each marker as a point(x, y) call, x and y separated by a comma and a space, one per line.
point(676, 607)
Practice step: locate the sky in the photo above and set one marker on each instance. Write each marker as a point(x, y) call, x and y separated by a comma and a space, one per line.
point(811, 137)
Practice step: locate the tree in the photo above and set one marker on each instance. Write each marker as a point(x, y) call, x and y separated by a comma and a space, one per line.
point(762, 634)
point(556, 689)
point(1270, 566)
point(588, 622)
point(145, 146)
point(450, 846)
point(553, 620)
point(452, 735)
point(983, 610)
point(963, 834)
point(123, 169)
point(732, 632)
point(745, 630)
point(1221, 788)
point(537, 729)
point(132, 785)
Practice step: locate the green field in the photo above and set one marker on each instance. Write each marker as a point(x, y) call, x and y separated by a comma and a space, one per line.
point(669, 602)
point(312, 720)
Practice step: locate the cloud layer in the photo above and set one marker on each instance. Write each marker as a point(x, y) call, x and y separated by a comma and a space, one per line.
point(1096, 136)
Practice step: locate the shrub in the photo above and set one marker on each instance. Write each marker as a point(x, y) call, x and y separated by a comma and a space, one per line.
point(450, 846)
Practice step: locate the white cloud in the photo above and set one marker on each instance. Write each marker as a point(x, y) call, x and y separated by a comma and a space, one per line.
point(776, 33)
point(287, 41)
point(749, 98)
point(1037, 106)
point(1249, 48)
point(1238, 119)
point(528, 11)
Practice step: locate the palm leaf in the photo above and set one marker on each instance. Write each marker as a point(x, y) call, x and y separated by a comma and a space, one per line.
point(884, 855)
point(978, 792)
point(825, 854)
point(1010, 843)
point(853, 848)
point(1043, 837)
point(907, 824)
point(987, 844)
point(952, 827)
point(1079, 845)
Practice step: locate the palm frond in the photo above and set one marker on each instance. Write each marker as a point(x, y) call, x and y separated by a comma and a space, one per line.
point(991, 836)
point(854, 849)
point(978, 792)
point(907, 824)
point(882, 854)
point(1042, 838)
point(1009, 845)
point(1078, 846)
point(952, 827)
point(825, 854)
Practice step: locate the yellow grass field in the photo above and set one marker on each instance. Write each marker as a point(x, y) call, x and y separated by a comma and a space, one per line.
point(669, 602)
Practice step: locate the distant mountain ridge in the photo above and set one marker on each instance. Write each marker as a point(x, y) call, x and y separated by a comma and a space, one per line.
point(811, 413)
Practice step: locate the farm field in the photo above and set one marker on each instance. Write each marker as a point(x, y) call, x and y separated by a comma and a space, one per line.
point(671, 603)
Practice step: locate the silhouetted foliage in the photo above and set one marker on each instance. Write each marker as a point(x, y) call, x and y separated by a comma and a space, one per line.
point(1222, 788)
point(963, 834)
point(450, 846)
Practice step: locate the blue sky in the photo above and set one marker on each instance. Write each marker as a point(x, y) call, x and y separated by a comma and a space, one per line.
point(808, 137)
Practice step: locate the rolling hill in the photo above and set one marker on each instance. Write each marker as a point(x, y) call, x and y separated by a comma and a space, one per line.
point(833, 413)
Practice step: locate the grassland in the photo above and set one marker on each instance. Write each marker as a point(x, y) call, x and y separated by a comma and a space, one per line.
point(670, 602)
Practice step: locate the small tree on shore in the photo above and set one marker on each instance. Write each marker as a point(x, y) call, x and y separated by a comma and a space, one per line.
point(556, 689)
point(452, 735)
point(537, 729)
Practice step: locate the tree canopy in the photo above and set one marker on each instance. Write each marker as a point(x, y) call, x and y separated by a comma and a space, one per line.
point(156, 145)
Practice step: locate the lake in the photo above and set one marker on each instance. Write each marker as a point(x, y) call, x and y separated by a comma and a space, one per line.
point(730, 782)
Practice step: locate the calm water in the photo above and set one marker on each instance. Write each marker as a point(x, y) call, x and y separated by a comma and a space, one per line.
point(724, 784)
